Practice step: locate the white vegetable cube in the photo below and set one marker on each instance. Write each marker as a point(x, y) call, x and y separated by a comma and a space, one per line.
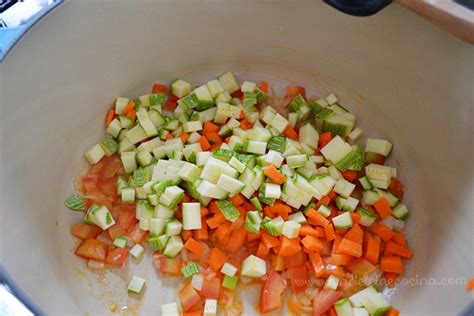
point(229, 269)
point(336, 149)
point(356, 133)
point(194, 137)
point(173, 247)
point(180, 88)
point(228, 82)
point(209, 189)
point(379, 146)
point(191, 216)
point(175, 144)
point(121, 242)
point(342, 221)
point(163, 212)
point(256, 147)
point(309, 135)
point(173, 228)
point(137, 251)
point(192, 126)
point(170, 309)
point(146, 123)
point(248, 86)
point(291, 229)
point(224, 96)
point(210, 307)
point(296, 161)
point(215, 88)
point(273, 157)
point(197, 281)
point(189, 172)
point(224, 111)
point(136, 134)
point(136, 284)
point(331, 99)
point(128, 195)
point(380, 176)
point(201, 158)
point(144, 223)
point(156, 226)
point(332, 282)
point(144, 158)
point(293, 118)
point(267, 114)
point(279, 122)
point(237, 164)
point(121, 104)
point(324, 210)
point(253, 267)
point(95, 154)
point(100, 215)
point(297, 217)
point(272, 191)
point(230, 184)
point(128, 161)
point(344, 188)
point(114, 127)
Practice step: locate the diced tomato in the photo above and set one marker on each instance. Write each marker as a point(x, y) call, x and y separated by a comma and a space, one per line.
point(90, 185)
point(115, 231)
point(211, 288)
point(92, 249)
point(362, 267)
point(294, 91)
point(396, 188)
point(188, 297)
point(84, 231)
point(127, 219)
point(171, 266)
point(159, 88)
point(117, 256)
point(237, 94)
point(109, 167)
point(324, 300)
point(272, 290)
point(108, 188)
point(171, 103)
point(298, 278)
point(371, 157)
point(137, 234)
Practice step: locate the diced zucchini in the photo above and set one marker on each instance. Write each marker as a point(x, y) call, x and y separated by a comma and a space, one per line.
point(209, 189)
point(223, 97)
point(114, 128)
point(158, 242)
point(191, 216)
point(137, 251)
point(324, 210)
point(163, 212)
point(121, 104)
point(201, 158)
point(75, 203)
point(253, 220)
point(228, 210)
point(255, 147)
point(190, 269)
point(229, 269)
point(192, 126)
point(256, 203)
point(121, 242)
point(336, 149)
point(128, 195)
point(360, 311)
point(274, 227)
point(279, 122)
point(100, 216)
point(204, 98)
point(228, 82)
point(230, 282)
point(95, 154)
point(296, 161)
point(210, 307)
point(291, 229)
point(146, 123)
point(343, 307)
point(379, 146)
point(230, 184)
point(173, 247)
point(170, 310)
point(400, 212)
point(297, 217)
point(357, 298)
point(344, 188)
point(136, 284)
point(144, 158)
point(277, 143)
point(253, 267)
point(309, 135)
point(380, 176)
point(157, 226)
point(272, 191)
point(342, 221)
point(376, 304)
point(136, 134)
point(352, 161)
point(180, 88)
point(356, 133)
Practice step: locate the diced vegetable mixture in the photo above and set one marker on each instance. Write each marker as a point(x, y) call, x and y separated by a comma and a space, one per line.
point(227, 191)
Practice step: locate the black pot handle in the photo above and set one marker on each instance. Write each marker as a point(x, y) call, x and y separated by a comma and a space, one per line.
point(359, 7)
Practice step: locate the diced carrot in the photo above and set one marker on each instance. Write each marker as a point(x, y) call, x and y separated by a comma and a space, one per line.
point(204, 211)
point(110, 117)
point(349, 175)
point(289, 247)
point(248, 206)
point(169, 136)
point(204, 143)
point(213, 138)
point(223, 231)
point(332, 312)
point(290, 132)
point(279, 208)
point(349, 247)
point(216, 220)
point(237, 239)
point(390, 278)
point(320, 232)
point(209, 127)
point(184, 137)
point(202, 233)
point(263, 86)
point(336, 242)
point(383, 231)
point(356, 217)
point(372, 250)
point(129, 110)
point(395, 249)
point(400, 239)
point(392, 312)
point(270, 241)
point(329, 231)
point(325, 200)
point(308, 230)
point(383, 208)
point(186, 234)
point(252, 236)
point(237, 199)
point(340, 259)
point(245, 124)
point(159, 88)
point(324, 138)
point(238, 223)
point(171, 103)
point(262, 251)
point(214, 208)
point(293, 91)
point(470, 285)
point(391, 264)
point(216, 259)
point(356, 234)
point(317, 264)
point(312, 244)
point(194, 246)
point(316, 217)
point(396, 188)
point(298, 278)
point(273, 174)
